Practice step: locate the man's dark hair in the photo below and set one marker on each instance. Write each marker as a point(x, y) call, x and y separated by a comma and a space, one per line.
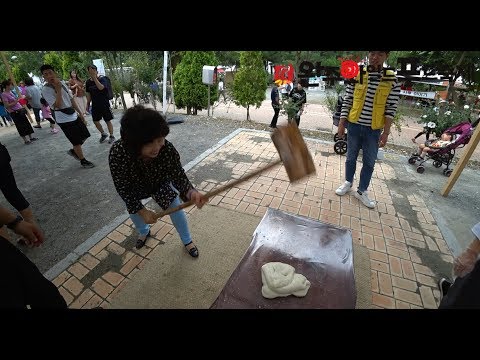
point(29, 81)
point(140, 126)
point(46, 67)
point(94, 67)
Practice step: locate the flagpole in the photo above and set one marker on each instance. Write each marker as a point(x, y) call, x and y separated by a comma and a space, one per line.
point(164, 82)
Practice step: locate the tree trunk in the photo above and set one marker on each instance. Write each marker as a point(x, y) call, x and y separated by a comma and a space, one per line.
point(189, 110)
point(248, 112)
point(112, 65)
point(451, 82)
point(298, 60)
point(123, 81)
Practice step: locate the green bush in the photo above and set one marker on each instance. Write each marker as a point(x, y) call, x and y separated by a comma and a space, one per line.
point(331, 101)
point(445, 116)
point(289, 108)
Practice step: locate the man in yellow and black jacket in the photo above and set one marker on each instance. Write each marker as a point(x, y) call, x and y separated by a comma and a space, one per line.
point(368, 109)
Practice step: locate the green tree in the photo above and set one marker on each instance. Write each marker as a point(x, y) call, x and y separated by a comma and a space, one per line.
point(228, 58)
point(22, 63)
point(190, 92)
point(454, 64)
point(121, 80)
point(55, 59)
point(148, 65)
point(72, 61)
point(250, 83)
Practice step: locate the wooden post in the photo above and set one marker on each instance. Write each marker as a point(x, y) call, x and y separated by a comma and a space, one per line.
point(469, 149)
point(9, 71)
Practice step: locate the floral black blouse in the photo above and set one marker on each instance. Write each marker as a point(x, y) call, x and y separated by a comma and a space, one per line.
point(136, 179)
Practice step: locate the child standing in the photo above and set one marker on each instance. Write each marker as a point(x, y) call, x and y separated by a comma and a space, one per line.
point(47, 115)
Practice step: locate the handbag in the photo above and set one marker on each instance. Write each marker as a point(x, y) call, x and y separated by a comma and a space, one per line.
point(68, 111)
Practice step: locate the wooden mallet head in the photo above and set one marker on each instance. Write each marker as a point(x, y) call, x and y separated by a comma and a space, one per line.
point(293, 151)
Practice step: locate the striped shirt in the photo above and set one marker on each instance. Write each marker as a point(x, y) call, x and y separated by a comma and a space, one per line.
point(366, 114)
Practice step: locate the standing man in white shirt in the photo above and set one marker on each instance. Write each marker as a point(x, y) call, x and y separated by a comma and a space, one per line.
point(67, 114)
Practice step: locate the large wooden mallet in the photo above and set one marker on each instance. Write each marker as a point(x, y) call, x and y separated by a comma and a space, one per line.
point(293, 153)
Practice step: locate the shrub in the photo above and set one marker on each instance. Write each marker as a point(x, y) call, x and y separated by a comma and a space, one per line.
point(445, 116)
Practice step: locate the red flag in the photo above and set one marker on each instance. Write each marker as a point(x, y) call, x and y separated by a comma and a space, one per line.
point(285, 73)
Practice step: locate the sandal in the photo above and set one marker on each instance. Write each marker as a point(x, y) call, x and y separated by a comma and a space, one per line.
point(193, 251)
point(141, 243)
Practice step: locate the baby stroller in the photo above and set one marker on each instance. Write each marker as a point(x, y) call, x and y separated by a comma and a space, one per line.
point(340, 146)
point(461, 134)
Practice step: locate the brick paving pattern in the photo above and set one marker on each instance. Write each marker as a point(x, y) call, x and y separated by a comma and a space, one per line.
point(401, 276)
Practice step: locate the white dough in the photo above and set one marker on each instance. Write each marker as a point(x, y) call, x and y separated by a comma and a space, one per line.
point(280, 279)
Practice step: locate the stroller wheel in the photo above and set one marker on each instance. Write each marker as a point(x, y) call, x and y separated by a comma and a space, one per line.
point(437, 163)
point(335, 137)
point(340, 147)
point(447, 172)
point(412, 160)
point(420, 169)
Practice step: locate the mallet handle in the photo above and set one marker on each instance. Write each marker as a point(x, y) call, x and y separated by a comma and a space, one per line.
point(221, 188)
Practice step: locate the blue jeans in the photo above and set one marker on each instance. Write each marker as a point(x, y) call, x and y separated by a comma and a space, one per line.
point(361, 137)
point(179, 220)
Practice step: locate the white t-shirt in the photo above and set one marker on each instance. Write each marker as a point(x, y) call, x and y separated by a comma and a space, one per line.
point(220, 86)
point(49, 95)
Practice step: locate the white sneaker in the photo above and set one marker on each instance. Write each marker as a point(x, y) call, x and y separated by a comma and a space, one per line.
point(365, 200)
point(344, 188)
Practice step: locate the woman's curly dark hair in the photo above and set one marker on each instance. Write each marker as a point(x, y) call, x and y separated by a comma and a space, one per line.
point(140, 126)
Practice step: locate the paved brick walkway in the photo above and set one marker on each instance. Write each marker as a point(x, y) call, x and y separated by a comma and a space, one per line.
point(400, 278)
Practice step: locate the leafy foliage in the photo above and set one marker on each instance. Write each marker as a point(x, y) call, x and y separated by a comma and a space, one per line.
point(22, 64)
point(250, 83)
point(445, 116)
point(71, 61)
point(148, 65)
point(227, 58)
point(289, 108)
point(331, 98)
point(190, 91)
point(54, 58)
